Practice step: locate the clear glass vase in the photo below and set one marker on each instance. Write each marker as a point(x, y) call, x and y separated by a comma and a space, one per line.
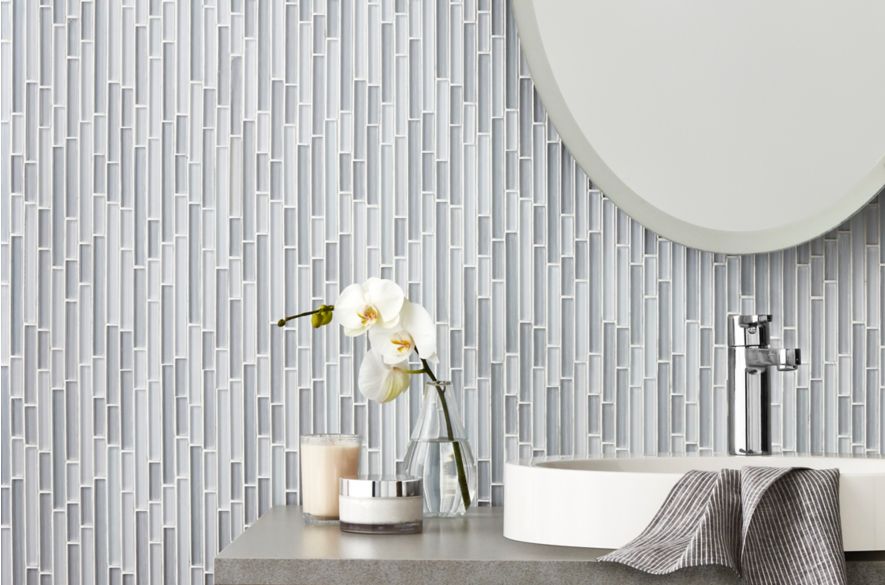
point(440, 454)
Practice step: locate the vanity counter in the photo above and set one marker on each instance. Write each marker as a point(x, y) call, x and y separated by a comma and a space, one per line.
point(280, 550)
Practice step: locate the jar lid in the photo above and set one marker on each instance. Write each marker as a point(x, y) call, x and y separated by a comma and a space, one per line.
point(381, 486)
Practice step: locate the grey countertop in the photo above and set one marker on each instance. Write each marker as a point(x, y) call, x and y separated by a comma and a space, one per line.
point(280, 550)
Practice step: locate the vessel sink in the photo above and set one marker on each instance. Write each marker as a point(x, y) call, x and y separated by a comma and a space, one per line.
point(605, 503)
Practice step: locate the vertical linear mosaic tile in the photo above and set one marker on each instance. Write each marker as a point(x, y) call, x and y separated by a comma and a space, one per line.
point(174, 176)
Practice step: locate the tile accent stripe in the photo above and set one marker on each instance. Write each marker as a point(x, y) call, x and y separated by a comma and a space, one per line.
point(175, 175)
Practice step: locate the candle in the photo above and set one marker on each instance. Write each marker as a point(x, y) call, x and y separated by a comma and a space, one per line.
point(324, 460)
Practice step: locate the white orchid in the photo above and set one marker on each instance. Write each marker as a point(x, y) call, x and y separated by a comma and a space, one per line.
point(375, 303)
point(416, 330)
point(396, 328)
point(382, 382)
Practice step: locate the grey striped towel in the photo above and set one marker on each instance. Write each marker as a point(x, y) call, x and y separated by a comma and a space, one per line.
point(777, 526)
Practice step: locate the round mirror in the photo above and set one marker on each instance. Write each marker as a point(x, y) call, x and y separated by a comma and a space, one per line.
point(729, 126)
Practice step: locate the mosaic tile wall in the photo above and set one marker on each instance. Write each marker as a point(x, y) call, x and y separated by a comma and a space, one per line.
point(177, 175)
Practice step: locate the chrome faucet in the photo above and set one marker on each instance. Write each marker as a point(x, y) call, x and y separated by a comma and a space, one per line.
point(749, 377)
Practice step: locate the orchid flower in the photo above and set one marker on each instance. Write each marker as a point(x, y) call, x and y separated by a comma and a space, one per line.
point(374, 303)
point(396, 328)
point(416, 331)
point(382, 382)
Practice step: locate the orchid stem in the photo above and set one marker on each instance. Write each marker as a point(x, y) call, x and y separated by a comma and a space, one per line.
point(282, 322)
point(456, 446)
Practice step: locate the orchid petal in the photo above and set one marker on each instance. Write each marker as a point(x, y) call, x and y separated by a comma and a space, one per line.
point(347, 310)
point(386, 296)
point(380, 382)
point(394, 345)
point(416, 320)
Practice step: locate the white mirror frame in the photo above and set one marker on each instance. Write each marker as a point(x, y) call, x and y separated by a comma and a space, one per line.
point(827, 215)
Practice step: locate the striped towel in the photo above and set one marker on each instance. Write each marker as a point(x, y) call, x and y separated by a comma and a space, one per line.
point(777, 526)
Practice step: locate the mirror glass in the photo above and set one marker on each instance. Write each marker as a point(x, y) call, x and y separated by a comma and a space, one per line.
point(728, 126)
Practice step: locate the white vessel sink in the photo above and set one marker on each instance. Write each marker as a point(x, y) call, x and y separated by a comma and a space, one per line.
point(604, 503)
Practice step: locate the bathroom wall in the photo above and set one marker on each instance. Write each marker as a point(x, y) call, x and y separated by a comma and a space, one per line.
point(176, 176)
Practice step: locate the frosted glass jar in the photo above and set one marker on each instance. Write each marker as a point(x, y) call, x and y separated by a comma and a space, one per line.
point(381, 505)
point(324, 460)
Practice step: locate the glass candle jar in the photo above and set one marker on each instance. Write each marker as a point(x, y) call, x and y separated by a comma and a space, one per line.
point(324, 460)
point(381, 505)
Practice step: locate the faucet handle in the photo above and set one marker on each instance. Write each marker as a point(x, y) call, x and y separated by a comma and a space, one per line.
point(752, 320)
point(748, 330)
